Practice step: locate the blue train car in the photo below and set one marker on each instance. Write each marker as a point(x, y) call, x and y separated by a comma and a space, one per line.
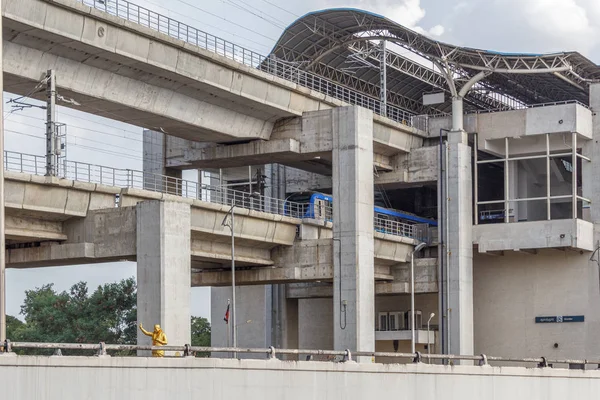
point(309, 205)
point(318, 205)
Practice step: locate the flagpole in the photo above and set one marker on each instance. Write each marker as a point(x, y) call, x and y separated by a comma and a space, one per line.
point(228, 329)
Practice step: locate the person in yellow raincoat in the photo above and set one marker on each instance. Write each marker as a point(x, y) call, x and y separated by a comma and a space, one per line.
point(159, 338)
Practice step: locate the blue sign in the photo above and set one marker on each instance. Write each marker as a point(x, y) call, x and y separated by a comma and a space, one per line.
point(560, 319)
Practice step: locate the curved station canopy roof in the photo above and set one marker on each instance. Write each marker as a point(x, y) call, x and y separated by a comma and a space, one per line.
point(344, 45)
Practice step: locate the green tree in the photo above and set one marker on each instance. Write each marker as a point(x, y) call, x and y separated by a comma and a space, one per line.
point(108, 315)
point(13, 325)
point(201, 334)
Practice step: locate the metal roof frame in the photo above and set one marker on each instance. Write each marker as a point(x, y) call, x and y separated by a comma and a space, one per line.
point(331, 42)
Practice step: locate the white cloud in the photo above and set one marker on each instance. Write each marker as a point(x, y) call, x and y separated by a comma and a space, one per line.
point(408, 13)
point(437, 30)
point(524, 25)
point(565, 21)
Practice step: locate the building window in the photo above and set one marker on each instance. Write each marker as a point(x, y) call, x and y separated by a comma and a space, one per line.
point(532, 178)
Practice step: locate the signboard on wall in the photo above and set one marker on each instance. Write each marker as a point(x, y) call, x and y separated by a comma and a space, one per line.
point(433, 98)
point(559, 319)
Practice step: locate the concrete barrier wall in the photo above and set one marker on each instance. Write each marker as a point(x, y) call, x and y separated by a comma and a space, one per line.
point(76, 378)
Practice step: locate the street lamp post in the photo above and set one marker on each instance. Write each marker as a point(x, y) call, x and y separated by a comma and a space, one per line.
point(231, 225)
point(428, 342)
point(412, 295)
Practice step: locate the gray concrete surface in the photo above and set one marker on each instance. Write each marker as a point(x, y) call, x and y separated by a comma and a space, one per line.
point(164, 270)
point(460, 245)
point(144, 77)
point(69, 378)
point(354, 291)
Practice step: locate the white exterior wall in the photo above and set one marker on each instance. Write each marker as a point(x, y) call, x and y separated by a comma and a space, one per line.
point(511, 290)
point(315, 324)
point(76, 378)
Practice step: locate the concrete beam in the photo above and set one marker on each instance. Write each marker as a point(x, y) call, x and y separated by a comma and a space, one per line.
point(293, 140)
point(53, 198)
point(24, 229)
point(425, 282)
point(105, 93)
point(240, 155)
point(213, 252)
point(54, 255)
point(381, 288)
point(276, 275)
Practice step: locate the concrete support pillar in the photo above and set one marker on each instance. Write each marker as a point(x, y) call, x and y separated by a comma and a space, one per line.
point(2, 237)
point(155, 170)
point(460, 244)
point(591, 170)
point(354, 287)
point(163, 269)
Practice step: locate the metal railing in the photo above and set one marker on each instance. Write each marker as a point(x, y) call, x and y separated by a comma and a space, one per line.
point(286, 70)
point(102, 349)
point(128, 178)
point(396, 228)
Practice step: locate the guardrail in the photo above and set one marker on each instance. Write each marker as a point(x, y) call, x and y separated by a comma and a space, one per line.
point(102, 349)
point(286, 70)
point(128, 178)
point(396, 228)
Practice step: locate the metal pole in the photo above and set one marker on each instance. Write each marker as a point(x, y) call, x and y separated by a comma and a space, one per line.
point(383, 79)
point(476, 179)
point(428, 342)
point(2, 243)
point(412, 302)
point(574, 173)
point(50, 123)
point(233, 316)
point(506, 184)
point(548, 183)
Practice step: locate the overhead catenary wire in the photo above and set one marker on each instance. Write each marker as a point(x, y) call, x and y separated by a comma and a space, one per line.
point(272, 20)
point(90, 140)
point(187, 16)
point(140, 134)
point(95, 149)
point(281, 8)
point(224, 19)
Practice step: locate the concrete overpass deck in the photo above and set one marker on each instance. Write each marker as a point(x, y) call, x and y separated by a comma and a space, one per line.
point(193, 85)
point(52, 221)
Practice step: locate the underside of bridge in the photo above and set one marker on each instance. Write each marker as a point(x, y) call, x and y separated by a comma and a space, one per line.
point(349, 106)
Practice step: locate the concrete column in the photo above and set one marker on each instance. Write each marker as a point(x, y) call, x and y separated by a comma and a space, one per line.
point(2, 237)
point(591, 171)
point(354, 287)
point(163, 269)
point(460, 244)
point(155, 151)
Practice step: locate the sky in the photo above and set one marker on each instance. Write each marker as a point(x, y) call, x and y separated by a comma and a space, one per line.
point(530, 26)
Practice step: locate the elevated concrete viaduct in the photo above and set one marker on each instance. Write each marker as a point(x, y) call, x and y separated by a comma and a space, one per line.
point(127, 72)
point(216, 113)
point(57, 222)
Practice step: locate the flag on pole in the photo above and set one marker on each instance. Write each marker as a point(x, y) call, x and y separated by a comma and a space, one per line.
point(226, 319)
